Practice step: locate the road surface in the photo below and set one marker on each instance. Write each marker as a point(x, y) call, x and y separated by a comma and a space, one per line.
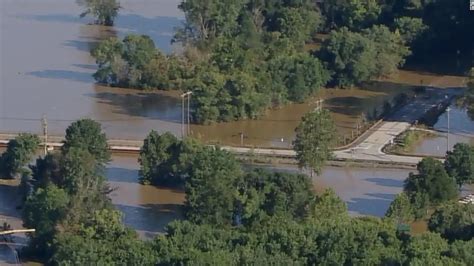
point(368, 150)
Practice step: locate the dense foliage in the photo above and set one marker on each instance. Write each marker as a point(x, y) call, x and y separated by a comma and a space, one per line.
point(434, 187)
point(68, 206)
point(314, 139)
point(243, 57)
point(431, 186)
point(357, 57)
point(86, 134)
point(460, 164)
point(234, 215)
point(19, 152)
point(454, 221)
point(165, 160)
point(104, 11)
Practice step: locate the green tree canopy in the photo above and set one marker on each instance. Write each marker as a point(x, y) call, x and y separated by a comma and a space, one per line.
point(329, 207)
point(459, 163)
point(431, 180)
point(43, 210)
point(87, 134)
point(354, 14)
point(358, 57)
point(427, 249)
point(165, 160)
point(102, 240)
point(265, 194)
point(411, 29)
point(210, 188)
point(104, 11)
point(401, 210)
point(314, 139)
point(390, 47)
point(453, 221)
point(19, 152)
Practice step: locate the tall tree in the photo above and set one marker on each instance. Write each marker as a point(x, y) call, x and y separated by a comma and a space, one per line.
point(104, 11)
point(354, 14)
point(401, 210)
point(43, 210)
point(350, 56)
point(390, 47)
point(454, 221)
point(459, 164)
point(432, 185)
point(19, 152)
point(87, 134)
point(208, 19)
point(329, 207)
point(315, 136)
point(210, 188)
point(411, 29)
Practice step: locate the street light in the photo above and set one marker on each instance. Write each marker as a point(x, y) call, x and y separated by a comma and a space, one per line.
point(186, 94)
point(447, 143)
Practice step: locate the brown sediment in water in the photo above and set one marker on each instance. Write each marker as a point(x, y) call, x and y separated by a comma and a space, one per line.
point(56, 72)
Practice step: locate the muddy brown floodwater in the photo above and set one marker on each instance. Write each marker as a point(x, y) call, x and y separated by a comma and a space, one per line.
point(46, 69)
point(461, 129)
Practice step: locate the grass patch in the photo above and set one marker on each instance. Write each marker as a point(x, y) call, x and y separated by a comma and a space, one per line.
point(405, 143)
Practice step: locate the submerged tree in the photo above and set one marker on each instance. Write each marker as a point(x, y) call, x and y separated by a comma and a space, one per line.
point(104, 11)
point(314, 139)
point(87, 134)
point(460, 164)
point(430, 187)
point(19, 152)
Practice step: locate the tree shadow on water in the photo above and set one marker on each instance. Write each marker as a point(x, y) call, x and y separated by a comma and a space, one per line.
point(349, 105)
point(9, 201)
point(62, 18)
point(376, 206)
point(151, 218)
point(160, 29)
point(386, 182)
point(155, 106)
point(85, 66)
point(83, 77)
point(118, 174)
point(85, 46)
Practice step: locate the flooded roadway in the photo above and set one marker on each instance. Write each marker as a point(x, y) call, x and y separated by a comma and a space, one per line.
point(461, 128)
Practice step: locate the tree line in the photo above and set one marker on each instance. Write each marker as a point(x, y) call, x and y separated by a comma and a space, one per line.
point(243, 57)
point(234, 215)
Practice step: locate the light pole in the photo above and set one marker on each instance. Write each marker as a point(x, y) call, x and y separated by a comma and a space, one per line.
point(447, 142)
point(189, 117)
point(186, 94)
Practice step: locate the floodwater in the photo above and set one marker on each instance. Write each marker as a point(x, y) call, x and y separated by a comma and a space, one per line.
point(46, 69)
point(461, 129)
point(148, 209)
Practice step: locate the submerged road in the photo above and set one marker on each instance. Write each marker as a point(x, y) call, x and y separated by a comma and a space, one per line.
point(366, 150)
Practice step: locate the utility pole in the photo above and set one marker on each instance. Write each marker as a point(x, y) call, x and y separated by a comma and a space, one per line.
point(186, 94)
point(319, 105)
point(182, 116)
point(447, 143)
point(189, 117)
point(44, 123)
